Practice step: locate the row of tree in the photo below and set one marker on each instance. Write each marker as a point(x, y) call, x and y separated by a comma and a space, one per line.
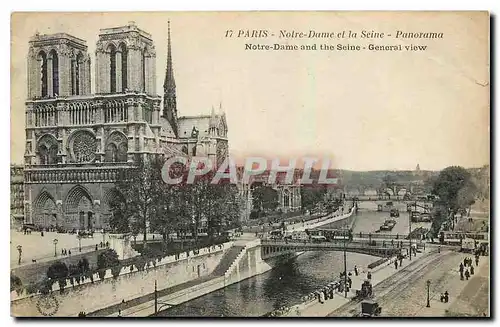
point(143, 201)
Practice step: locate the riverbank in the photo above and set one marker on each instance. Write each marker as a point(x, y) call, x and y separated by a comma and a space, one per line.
point(314, 308)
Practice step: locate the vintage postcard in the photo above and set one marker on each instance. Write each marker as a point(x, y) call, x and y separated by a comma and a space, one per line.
point(250, 164)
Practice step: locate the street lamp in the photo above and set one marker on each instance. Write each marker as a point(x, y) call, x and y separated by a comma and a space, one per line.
point(345, 261)
point(55, 246)
point(428, 299)
point(20, 250)
point(79, 237)
point(409, 233)
point(163, 304)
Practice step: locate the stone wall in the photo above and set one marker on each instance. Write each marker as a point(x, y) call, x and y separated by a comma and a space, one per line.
point(128, 285)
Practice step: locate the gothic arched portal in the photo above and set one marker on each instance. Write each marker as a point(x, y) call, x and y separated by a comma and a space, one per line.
point(78, 209)
point(45, 210)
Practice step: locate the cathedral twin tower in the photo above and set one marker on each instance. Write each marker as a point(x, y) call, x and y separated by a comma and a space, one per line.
point(77, 142)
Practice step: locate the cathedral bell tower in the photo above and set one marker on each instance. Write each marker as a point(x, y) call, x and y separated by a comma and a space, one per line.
point(125, 61)
point(169, 95)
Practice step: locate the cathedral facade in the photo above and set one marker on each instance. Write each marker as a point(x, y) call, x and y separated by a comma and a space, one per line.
point(78, 141)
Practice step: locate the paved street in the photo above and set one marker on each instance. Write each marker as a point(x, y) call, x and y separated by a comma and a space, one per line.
point(405, 293)
point(35, 246)
point(340, 306)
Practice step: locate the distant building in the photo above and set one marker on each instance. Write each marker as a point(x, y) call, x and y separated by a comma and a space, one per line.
point(16, 195)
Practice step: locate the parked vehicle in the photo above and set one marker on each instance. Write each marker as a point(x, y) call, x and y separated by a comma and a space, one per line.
point(318, 238)
point(394, 212)
point(370, 308)
point(388, 225)
point(467, 245)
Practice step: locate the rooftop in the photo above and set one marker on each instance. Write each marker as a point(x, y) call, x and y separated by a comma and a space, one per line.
point(130, 27)
point(57, 36)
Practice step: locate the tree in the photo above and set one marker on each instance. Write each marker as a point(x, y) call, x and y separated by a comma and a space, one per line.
point(167, 216)
point(455, 191)
point(141, 188)
point(264, 198)
point(107, 259)
point(15, 283)
point(312, 195)
point(57, 270)
point(217, 204)
point(454, 188)
point(118, 222)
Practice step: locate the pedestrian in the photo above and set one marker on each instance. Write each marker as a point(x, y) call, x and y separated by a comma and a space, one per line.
point(356, 270)
point(442, 297)
point(465, 261)
point(69, 252)
point(96, 248)
point(349, 282)
point(477, 260)
point(446, 297)
point(321, 297)
point(472, 270)
point(62, 251)
point(461, 269)
point(369, 275)
point(467, 274)
point(439, 249)
point(396, 264)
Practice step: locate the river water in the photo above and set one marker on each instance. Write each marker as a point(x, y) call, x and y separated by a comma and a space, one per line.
point(283, 286)
point(286, 284)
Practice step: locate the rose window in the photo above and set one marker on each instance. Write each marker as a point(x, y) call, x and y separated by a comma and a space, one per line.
point(84, 147)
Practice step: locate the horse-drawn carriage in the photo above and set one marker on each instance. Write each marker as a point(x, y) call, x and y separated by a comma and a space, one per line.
point(366, 291)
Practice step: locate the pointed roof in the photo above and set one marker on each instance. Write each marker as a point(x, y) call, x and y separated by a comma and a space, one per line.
point(169, 73)
point(213, 118)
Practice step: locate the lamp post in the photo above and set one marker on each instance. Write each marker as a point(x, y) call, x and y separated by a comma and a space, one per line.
point(409, 233)
point(163, 304)
point(20, 250)
point(55, 247)
point(428, 298)
point(345, 262)
point(79, 237)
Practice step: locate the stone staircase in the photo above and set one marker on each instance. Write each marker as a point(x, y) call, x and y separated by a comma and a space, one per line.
point(241, 254)
point(228, 259)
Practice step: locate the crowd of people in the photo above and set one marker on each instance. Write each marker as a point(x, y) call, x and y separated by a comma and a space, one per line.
point(467, 268)
point(321, 295)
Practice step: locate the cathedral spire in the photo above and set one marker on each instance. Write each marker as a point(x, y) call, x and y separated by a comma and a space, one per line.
point(169, 94)
point(169, 73)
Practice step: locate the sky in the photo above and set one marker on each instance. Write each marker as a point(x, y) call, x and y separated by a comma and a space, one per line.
point(364, 110)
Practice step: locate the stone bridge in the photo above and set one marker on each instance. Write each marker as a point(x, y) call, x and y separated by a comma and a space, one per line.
point(274, 248)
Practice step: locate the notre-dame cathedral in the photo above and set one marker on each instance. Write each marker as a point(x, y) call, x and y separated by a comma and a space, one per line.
point(77, 141)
